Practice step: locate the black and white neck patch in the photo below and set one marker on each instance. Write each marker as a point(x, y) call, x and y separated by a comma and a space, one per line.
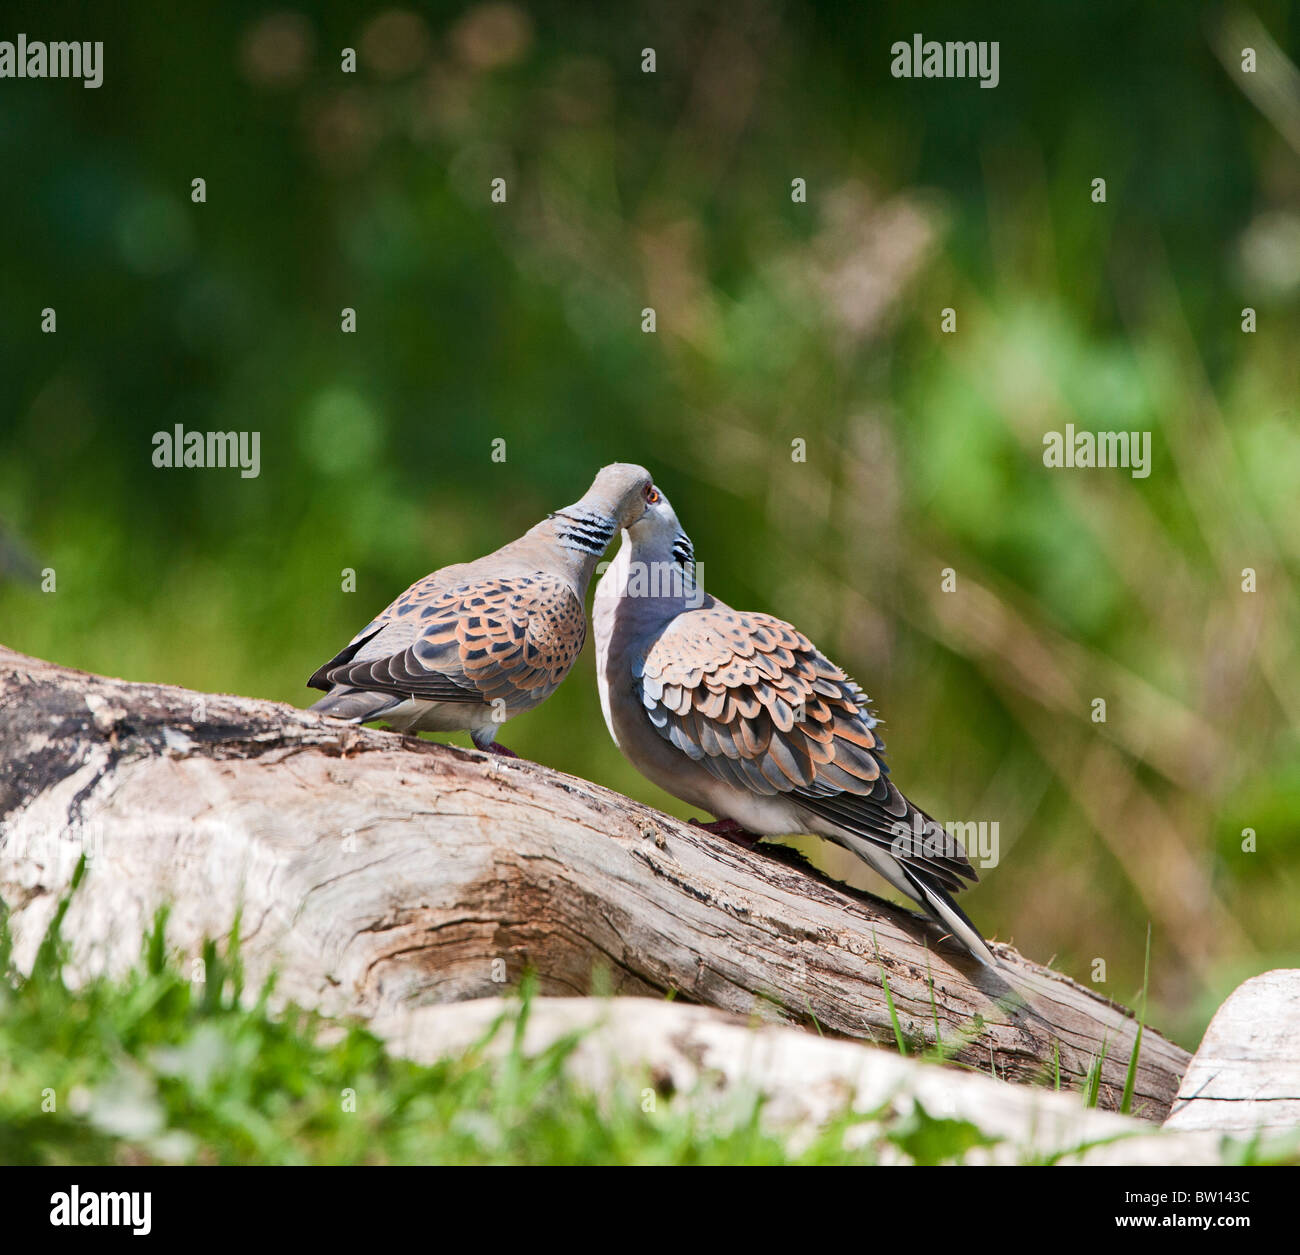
point(584, 530)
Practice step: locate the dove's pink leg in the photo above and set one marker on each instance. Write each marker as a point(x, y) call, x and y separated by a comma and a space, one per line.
point(482, 738)
point(730, 830)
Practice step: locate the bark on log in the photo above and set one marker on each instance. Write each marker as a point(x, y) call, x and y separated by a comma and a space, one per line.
point(374, 871)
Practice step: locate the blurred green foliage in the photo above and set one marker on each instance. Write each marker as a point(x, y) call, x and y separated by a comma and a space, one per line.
point(776, 321)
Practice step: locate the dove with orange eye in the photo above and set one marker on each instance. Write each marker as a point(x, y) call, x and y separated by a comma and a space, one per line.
point(739, 713)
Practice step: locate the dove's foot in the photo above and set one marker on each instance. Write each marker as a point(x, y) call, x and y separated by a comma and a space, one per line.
point(730, 830)
point(494, 748)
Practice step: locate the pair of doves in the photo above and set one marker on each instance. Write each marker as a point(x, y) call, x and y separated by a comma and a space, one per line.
point(732, 711)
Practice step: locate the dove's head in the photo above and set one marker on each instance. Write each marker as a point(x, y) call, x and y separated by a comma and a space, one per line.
point(657, 536)
point(616, 499)
point(621, 490)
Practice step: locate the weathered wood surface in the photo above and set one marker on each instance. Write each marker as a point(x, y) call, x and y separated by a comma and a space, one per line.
point(374, 871)
point(635, 1045)
point(1245, 1077)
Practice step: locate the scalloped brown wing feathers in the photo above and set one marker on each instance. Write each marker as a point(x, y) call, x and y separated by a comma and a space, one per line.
point(512, 638)
point(752, 700)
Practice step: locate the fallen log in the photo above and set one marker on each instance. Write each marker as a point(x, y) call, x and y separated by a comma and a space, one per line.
point(373, 871)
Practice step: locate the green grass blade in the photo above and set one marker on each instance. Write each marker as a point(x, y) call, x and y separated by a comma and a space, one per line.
point(1092, 1085)
point(1126, 1103)
point(893, 1014)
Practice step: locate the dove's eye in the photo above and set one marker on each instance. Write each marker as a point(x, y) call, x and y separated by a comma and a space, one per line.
point(651, 494)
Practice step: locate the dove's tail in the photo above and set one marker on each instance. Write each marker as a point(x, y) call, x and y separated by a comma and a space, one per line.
point(924, 889)
point(355, 705)
point(939, 904)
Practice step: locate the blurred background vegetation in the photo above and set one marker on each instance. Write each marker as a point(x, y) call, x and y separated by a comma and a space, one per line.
point(776, 321)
